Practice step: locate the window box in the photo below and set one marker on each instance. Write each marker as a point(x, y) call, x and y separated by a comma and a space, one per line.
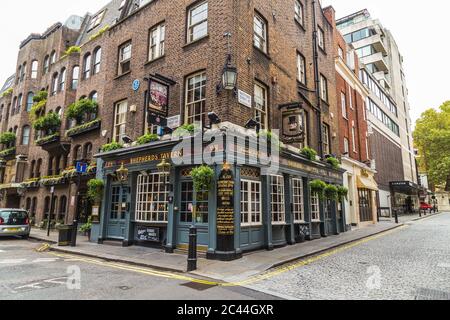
point(8, 153)
point(53, 181)
point(48, 140)
point(84, 128)
point(31, 183)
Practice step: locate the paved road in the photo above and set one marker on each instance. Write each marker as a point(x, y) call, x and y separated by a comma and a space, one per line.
point(410, 263)
point(27, 274)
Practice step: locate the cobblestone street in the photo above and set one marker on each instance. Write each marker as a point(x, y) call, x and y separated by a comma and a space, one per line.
point(409, 263)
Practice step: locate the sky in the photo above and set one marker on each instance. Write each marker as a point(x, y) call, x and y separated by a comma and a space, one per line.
point(420, 29)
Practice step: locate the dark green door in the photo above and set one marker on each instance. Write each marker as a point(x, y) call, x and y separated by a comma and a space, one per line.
point(118, 213)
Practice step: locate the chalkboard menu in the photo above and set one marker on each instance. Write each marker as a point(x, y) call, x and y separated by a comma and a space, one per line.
point(148, 234)
point(225, 210)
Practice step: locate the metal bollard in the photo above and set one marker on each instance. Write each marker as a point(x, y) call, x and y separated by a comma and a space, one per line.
point(192, 257)
point(396, 216)
point(420, 213)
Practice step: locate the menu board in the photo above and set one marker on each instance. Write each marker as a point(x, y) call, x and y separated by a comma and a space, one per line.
point(225, 204)
point(148, 234)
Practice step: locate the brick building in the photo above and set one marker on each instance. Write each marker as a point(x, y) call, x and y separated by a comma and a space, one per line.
point(351, 94)
point(285, 62)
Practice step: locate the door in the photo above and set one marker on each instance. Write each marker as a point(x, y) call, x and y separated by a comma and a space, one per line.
point(330, 222)
point(118, 213)
point(194, 210)
point(365, 205)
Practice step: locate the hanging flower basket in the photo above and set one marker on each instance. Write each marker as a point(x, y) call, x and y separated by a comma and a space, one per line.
point(318, 186)
point(202, 177)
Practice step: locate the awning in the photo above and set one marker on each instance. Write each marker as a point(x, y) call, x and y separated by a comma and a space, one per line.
point(366, 183)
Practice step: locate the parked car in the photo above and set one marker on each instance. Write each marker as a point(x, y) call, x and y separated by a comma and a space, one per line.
point(425, 206)
point(14, 222)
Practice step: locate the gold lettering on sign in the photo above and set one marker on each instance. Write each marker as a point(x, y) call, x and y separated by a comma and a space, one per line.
point(225, 204)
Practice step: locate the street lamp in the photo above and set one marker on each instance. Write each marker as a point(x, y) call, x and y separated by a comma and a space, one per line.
point(229, 73)
point(122, 173)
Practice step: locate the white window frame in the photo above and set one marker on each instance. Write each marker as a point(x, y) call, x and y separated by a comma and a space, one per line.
point(261, 105)
point(34, 69)
point(344, 105)
point(253, 214)
point(301, 68)
point(326, 138)
point(157, 42)
point(201, 24)
point(120, 120)
point(26, 137)
point(95, 21)
point(260, 33)
point(87, 61)
point(321, 38)
point(278, 204)
point(323, 88)
point(151, 188)
point(346, 145)
point(298, 203)
point(191, 116)
point(97, 60)
point(315, 207)
point(354, 139)
point(299, 12)
point(125, 57)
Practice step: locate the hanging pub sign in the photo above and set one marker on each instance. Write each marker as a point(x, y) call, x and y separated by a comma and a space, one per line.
point(293, 126)
point(158, 98)
point(225, 210)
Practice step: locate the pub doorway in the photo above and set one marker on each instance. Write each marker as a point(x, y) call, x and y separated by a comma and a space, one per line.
point(365, 205)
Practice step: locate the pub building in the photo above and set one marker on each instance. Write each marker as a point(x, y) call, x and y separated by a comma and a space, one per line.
point(152, 201)
point(227, 68)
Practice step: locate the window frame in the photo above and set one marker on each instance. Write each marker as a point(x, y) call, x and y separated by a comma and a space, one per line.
point(264, 113)
point(160, 41)
point(194, 103)
point(301, 61)
point(298, 200)
point(97, 61)
point(315, 207)
point(121, 61)
point(252, 203)
point(299, 15)
point(262, 38)
point(87, 61)
point(326, 138)
point(119, 127)
point(321, 39)
point(190, 26)
point(277, 181)
point(324, 88)
point(150, 189)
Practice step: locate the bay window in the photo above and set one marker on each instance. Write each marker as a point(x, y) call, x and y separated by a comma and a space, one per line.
point(250, 203)
point(298, 203)
point(152, 198)
point(277, 200)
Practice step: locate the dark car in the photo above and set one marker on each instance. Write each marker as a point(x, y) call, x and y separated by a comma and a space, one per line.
point(14, 222)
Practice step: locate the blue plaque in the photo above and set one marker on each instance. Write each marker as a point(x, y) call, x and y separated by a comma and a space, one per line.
point(136, 85)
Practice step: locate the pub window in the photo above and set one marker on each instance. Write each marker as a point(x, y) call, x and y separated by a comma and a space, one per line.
point(297, 188)
point(277, 200)
point(195, 98)
point(157, 40)
point(152, 198)
point(125, 58)
point(260, 33)
point(197, 22)
point(315, 207)
point(261, 105)
point(326, 138)
point(120, 120)
point(299, 13)
point(301, 68)
point(193, 204)
point(251, 203)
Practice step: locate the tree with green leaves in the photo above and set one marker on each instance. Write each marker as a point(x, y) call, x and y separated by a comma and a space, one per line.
point(432, 139)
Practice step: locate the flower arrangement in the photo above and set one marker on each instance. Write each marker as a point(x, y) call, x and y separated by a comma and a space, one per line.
point(7, 138)
point(333, 162)
point(185, 130)
point(95, 190)
point(202, 177)
point(111, 146)
point(331, 192)
point(78, 110)
point(148, 138)
point(318, 186)
point(309, 153)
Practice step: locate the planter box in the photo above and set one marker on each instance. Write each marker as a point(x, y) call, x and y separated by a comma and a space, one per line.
point(8, 153)
point(47, 140)
point(85, 128)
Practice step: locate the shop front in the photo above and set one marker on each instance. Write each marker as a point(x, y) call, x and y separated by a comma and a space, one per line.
point(151, 199)
point(405, 197)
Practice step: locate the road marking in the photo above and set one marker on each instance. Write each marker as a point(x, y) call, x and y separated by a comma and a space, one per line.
point(258, 278)
point(45, 260)
point(43, 247)
point(12, 261)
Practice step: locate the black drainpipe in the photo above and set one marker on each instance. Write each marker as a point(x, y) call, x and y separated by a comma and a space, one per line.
point(317, 81)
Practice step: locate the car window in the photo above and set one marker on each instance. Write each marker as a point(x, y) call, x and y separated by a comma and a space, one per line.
point(13, 217)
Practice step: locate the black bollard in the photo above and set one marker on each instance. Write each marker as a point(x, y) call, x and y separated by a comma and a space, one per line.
point(192, 257)
point(396, 216)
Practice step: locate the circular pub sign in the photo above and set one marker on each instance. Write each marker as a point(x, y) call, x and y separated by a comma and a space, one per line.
point(136, 85)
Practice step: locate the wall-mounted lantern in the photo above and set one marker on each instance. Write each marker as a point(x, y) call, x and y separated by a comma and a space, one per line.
point(122, 174)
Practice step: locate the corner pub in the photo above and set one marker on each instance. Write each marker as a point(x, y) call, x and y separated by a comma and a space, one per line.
point(234, 87)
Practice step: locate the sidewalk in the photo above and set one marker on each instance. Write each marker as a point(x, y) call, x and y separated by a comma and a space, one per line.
point(250, 265)
point(410, 217)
